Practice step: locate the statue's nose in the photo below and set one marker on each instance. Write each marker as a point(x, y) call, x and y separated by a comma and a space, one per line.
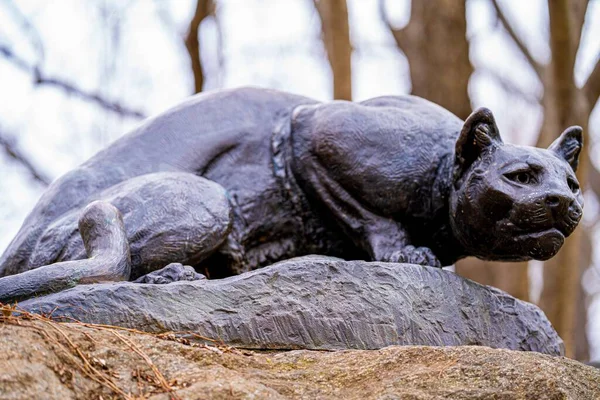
point(558, 202)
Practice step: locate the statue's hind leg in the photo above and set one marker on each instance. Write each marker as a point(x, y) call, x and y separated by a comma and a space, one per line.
point(168, 218)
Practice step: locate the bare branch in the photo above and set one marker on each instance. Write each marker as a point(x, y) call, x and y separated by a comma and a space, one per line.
point(335, 33)
point(41, 79)
point(591, 88)
point(10, 148)
point(26, 26)
point(578, 10)
point(400, 35)
point(518, 41)
point(594, 179)
point(204, 8)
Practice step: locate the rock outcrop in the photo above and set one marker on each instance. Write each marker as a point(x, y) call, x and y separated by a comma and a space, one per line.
point(44, 360)
point(318, 303)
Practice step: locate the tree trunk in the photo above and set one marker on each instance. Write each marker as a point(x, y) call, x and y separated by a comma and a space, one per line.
point(564, 105)
point(582, 345)
point(435, 43)
point(336, 38)
point(508, 276)
point(442, 76)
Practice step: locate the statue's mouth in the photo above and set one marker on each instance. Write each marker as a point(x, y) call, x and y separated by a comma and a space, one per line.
point(518, 229)
point(544, 244)
point(543, 228)
point(538, 244)
point(517, 244)
point(544, 234)
point(539, 222)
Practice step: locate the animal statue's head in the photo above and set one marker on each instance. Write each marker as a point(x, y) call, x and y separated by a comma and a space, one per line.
point(513, 202)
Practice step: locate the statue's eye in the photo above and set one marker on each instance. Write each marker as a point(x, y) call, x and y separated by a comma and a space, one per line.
point(573, 185)
point(522, 177)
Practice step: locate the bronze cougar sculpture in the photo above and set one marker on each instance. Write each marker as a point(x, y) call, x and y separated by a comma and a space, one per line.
point(233, 180)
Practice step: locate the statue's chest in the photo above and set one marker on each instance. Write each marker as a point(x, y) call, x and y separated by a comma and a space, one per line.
point(268, 225)
point(272, 218)
point(277, 223)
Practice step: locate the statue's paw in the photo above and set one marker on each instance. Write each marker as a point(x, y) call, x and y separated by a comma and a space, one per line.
point(173, 272)
point(415, 255)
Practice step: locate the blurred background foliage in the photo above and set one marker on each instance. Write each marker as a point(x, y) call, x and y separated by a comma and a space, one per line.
point(75, 75)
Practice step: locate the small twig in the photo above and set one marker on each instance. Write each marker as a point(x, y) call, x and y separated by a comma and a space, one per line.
point(137, 331)
point(518, 41)
point(27, 27)
point(87, 335)
point(87, 369)
point(84, 364)
point(12, 314)
point(14, 153)
point(161, 378)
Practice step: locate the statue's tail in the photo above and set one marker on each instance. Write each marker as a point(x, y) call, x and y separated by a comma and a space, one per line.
point(103, 233)
point(67, 193)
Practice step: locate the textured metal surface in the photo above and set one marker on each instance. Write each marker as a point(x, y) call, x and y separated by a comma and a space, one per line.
point(234, 180)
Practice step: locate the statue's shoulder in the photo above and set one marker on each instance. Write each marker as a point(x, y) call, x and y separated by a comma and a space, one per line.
point(387, 120)
point(409, 104)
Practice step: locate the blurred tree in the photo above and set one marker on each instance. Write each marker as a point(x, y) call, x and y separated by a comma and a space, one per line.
point(335, 32)
point(564, 104)
point(204, 9)
point(442, 76)
point(436, 73)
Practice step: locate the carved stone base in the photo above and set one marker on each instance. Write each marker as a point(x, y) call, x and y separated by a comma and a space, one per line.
point(318, 303)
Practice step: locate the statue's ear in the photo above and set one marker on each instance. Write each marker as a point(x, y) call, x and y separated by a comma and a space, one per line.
point(568, 145)
point(479, 133)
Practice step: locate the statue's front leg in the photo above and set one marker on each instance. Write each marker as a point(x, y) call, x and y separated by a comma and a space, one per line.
point(412, 255)
point(174, 272)
point(383, 238)
point(389, 242)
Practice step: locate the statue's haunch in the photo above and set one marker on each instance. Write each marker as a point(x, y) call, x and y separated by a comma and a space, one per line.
point(233, 180)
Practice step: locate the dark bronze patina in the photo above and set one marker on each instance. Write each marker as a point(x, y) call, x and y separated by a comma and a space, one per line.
point(230, 181)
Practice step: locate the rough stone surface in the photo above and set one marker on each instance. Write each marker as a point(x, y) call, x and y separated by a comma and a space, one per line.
point(318, 303)
point(39, 363)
